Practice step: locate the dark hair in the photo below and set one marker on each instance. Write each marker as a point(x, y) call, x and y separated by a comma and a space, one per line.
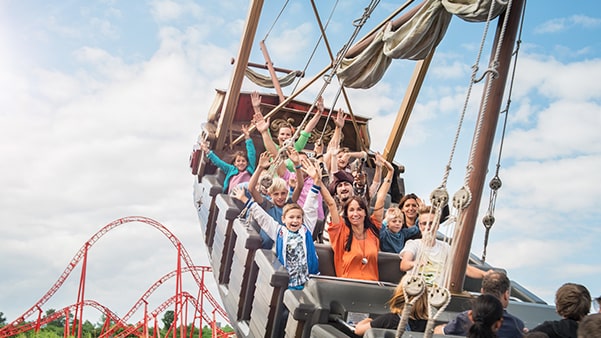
point(236, 154)
point(495, 283)
point(367, 224)
point(486, 311)
point(402, 202)
point(405, 198)
point(572, 301)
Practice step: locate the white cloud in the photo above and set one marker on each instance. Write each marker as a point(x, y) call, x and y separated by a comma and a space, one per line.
point(538, 252)
point(566, 128)
point(105, 27)
point(554, 79)
point(280, 49)
point(553, 184)
point(166, 10)
point(561, 24)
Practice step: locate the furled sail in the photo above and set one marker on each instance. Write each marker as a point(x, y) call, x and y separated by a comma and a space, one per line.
point(266, 81)
point(413, 40)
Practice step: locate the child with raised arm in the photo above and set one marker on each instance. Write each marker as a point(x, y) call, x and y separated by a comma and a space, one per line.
point(286, 130)
point(278, 191)
point(242, 166)
point(294, 240)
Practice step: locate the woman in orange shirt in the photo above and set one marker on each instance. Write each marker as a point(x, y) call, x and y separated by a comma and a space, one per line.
point(355, 237)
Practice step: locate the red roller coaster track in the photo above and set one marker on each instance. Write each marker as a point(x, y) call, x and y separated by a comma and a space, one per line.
point(18, 325)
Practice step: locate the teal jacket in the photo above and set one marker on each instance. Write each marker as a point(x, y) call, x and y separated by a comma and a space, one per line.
point(231, 170)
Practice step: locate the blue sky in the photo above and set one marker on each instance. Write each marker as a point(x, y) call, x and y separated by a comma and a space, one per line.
point(102, 100)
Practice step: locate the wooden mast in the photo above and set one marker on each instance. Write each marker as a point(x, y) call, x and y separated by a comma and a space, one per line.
point(231, 97)
point(483, 148)
point(402, 118)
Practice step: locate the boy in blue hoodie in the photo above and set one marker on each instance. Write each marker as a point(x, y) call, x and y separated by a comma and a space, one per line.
point(294, 241)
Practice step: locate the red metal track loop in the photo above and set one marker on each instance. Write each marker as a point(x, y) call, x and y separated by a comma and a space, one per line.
point(12, 328)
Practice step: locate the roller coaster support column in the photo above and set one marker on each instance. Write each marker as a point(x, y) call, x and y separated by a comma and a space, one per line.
point(156, 327)
point(178, 294)
point(145, 318)
point(37, 325)
point(66, 330)
point(77, 319)
point(214, 326)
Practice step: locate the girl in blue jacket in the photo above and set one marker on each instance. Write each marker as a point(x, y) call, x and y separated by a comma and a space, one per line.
point(242, 166)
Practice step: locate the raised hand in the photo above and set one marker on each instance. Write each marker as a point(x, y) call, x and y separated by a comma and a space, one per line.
point(319, 104)
point(339, 120)
point(312, 170)
point(255, 99)
point(292, 181)
point(388, 166)
point(379, 159)
point(239, 194)
point(293, 155)
point(204, 146)
point(260, 123)
point(264, 160)
point(245, 131)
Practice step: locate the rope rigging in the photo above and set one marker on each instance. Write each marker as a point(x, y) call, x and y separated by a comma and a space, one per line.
point(439, 296)
point(413, 287)
point(321, 36)
point(495, 183)
point(358, 23)
point(277, 18)
point(462, 198)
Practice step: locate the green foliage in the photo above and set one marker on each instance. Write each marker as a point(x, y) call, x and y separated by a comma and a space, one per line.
point(167, 320)
point(2, 319)
point(55, 329)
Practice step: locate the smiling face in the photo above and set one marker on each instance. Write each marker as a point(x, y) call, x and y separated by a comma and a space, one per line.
point(278, 197)
point(355, 213)
point(409, 208)
point(240, 163)
point(283, 134)
point(344, 190)
point(342, 160)
point(292, 217)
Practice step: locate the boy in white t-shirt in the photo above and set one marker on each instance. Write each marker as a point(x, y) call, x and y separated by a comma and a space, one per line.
point(435, 252)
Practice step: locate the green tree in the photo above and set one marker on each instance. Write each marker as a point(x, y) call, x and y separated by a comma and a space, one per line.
point(2, 319)
point(167, 319)
point(59, 322)
point(88, 330)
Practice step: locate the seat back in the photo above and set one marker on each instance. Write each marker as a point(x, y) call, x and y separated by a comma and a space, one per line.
point(228, 210)
point(389, 267)
point(267, 317)
point(324, 297)
point(246, 241)
point(209, 189)
point(325, 254)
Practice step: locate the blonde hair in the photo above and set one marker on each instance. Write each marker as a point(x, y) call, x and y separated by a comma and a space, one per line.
point(292, 206)
point(397, 302)
point(392, 213)
point(278, 184)
point(425, 209)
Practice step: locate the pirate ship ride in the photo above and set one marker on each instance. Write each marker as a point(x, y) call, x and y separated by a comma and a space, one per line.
point(251, 281)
